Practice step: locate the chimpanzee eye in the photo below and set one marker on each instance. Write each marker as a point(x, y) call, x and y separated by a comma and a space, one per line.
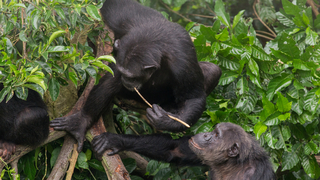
point(217, 134)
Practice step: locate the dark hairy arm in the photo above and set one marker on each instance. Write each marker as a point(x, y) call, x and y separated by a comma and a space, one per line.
point(157, 146)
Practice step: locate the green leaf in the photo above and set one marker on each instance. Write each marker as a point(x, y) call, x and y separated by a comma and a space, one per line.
point(311, 101)
point(277, 133)
point(45, 66)
point(23, 37)
point(311, 167)
point(284, 117)
point(229, 64)
point(290, 160)
point(259, 129)
point(35, 87)
point(246, 103)
point(92, 72)
point(73, 78)
point(283, 103)
point(103, 66)
point(58, 49)
point(223, 36)
point(259, 53)
point(254, 67)
point(55, 35)
point(237, 18)
point(312, 37)
point(311, 148)
point(152, 166)
point(242, 86)
point(270, 140)
point(60, 13)
point(21, 93)
point(268, 109)
point(284, 20)
point(82, 161)
point(208, 33)
point(277, 84)
point(29, 168)
point(93, 12)
point(35, 19)
point(35, 79)
point(215, 48)
point(290, 8)
point(94, 163)
point(54, 156)
point(298, 64)
point(130, 164)
point(221, 13)
point(4, 92)
point(227, 78)
point(206, 127)
point(19, 5)
point(54, 89)
point(107, 58)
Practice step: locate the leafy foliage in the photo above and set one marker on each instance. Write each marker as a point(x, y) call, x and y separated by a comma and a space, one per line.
point(44, 50)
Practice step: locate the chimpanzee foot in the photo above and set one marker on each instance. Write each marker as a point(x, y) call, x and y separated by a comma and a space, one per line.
point(6, 150)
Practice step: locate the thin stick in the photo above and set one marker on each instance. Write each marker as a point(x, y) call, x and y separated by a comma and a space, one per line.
point(174, 118)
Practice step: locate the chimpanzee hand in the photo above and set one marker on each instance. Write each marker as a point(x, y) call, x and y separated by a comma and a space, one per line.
point(106, 141)
point(6, 150)
point(160, 119)
point(75, 124)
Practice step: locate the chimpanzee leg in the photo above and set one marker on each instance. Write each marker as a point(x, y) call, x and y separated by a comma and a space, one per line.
point(212, 74)
point(31, 126)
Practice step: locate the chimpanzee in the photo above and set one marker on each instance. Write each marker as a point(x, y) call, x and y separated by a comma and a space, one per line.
point(228, 150)
point(24, 122)
point(158, 58)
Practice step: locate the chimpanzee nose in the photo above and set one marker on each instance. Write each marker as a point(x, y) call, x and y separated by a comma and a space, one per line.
point(207, 137)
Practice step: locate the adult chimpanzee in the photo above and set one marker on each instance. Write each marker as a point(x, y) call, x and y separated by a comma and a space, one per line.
point(158, 58)
point(228, 150)
point(22, 122)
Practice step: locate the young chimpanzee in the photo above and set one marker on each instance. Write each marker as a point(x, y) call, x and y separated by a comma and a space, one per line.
point(22, 122)
point(158, 58)
point(228, 150)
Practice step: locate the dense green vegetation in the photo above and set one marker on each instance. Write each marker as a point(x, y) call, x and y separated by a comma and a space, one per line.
point(272, 89)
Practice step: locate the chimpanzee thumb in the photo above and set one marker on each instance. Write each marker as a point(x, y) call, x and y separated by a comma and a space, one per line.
point(80, 146)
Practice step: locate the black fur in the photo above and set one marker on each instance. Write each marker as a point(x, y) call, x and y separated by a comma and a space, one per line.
point(23, 122)
point(155, 56)
point(229, 151)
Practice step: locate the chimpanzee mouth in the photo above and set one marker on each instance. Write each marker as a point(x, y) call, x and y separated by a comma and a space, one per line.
point(194, 144)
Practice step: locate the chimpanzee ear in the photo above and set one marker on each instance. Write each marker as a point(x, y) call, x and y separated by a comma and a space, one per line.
point(233, 151)
point(117, 44)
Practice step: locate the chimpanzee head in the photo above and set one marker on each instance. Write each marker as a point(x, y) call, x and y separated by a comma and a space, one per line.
point(137, 60)
point(226, 142)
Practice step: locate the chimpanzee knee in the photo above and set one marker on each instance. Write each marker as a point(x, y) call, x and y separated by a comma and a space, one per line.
point(31, 126)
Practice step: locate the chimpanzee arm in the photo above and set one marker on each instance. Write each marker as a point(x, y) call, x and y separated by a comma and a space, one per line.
point(98, 100)
point(158, 146)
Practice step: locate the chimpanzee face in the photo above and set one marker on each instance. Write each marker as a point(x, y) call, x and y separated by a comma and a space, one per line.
point(219, 145)
point(135, 64)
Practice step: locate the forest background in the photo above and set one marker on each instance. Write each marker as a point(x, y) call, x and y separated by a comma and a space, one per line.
point(268, 51)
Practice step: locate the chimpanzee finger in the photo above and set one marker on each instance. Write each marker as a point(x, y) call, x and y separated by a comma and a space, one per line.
point(98, 147)
point(113, 152)
point(158, 110)
point(1, 152)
